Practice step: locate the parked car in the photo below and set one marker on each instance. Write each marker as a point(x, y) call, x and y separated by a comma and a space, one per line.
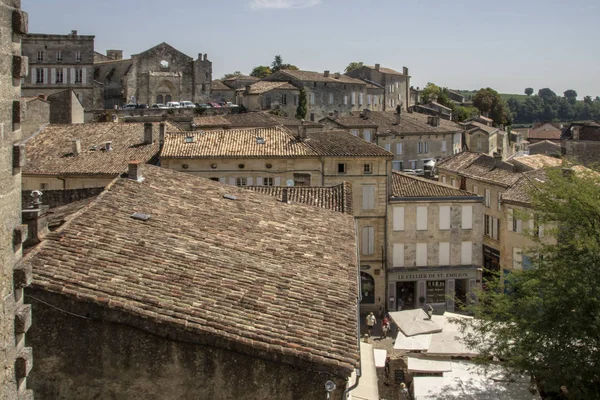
point(173, 104)
point(187, 104)
point(204, 105)
point(159, 105)
point(130, 106)
point(409, 171)
point(141, 106)
point(419, 172)
point(230, 104)
point(214, 105)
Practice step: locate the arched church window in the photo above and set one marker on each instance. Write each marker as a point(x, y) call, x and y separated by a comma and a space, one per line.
point(167, 98)
point(159, 98)
point(164, 64)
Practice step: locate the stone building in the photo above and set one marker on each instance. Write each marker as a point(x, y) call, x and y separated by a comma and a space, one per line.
point(580, 143)
point(253, 120)
point(266, 95)
point(157, 75)
point(277, 157)
point(484, 138)
point(545, 147)
point(36, 114)
point(66, 108)
point(58, 62)
point(88, 155)
point(328, 93)
point(220, 92)
point(396, 85)
point(189, 289)
point(15, 315)
point(546, 131)
point(435, 244)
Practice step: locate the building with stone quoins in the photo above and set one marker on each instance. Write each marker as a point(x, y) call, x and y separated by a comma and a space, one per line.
point(15, 316)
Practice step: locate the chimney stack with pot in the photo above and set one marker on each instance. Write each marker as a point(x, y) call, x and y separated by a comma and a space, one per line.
point(301, 130)
point(326, 74)
point(76, 147)
point(377, 67)
point(134, 171)
point(148, 133)
point(161, 133)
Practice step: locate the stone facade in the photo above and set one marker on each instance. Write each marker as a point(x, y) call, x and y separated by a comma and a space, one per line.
point(15, 316)
point(157, 75)
point(58, 62)
point(65, 108)
point(133, 363)
point(395, 84)
point(36, 114)
point(580, 143)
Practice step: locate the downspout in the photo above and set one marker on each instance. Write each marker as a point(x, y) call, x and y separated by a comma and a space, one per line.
point(64, 180)
point(358, 299)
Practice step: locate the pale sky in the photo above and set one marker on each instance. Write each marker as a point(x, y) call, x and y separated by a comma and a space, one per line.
point(462, 44)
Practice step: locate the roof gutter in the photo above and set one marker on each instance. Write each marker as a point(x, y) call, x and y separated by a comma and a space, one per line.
point(358, 299)
point(438, 199)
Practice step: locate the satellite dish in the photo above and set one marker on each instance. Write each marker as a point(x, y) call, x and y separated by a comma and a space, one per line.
point(289, 182)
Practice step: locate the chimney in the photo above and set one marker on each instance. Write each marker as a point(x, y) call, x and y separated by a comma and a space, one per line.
point(377, 66)
point(336, 75)
point(114, 54)
point(284, 195)
point(404, 70)
point(108, 146)
point(199, 56)
point(36, 219)
point(326, 74)
point(161, 133)
point(301, 131)
point(205, 57)
point(366, 113)
point(76, 147)
point(247, 89)
point(74, 32)
point(398, 118)
point(148, 133)
point(336, 114)
point(134, 171)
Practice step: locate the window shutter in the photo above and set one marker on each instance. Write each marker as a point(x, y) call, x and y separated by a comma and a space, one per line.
point(367, 135)
point(444, 256)
point(398, 148)
point(72, 74)
point(45, 75)
point(371, 240)
point(443, 146)
point(277, 181)
point(488, 195)
point(531, 225)
point(495, 223)
point(65, 75)
point(467, 217)
point(223, 180)
point(519, 226)
point(450, 294)
point(249, 181)
point(368, 193)
point(466, 253)
point(367, 240)
point(83, 75)
point(444, 217)
point(421, 254)
point(398, 255)
point(510, 220)
point(398, 218)
point(53, 76)
point(259, 181)
point(232, 181)
point(33, 75)
point(475, 189)
point(388, 147)
point(422, 218)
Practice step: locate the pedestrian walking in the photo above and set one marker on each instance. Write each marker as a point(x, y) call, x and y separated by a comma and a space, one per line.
point(386, 382)
point(385, 326)
point(371, 321)
point(404, 394)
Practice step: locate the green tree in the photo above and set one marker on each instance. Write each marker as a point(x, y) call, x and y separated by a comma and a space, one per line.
point(301, 110)
point(278, 64)
point(547, 95)
point(430, 92)
point(545, 321)
point(353, 65)
point(262, 71)
point(571, 95)
point(231, 75)
point(489, 101)
point(587, 99)
point(528, 91)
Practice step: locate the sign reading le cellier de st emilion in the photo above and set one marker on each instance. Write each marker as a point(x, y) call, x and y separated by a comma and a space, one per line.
point(411, 276)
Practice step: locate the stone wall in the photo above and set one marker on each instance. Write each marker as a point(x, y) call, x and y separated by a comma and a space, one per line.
point(57, 198)
point(584, 152)
point(15, 316)
point(149, 362)
point(65, 108)
point(36, 113)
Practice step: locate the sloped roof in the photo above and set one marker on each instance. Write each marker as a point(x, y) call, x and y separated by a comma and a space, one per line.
point(313, 76)
point(336, 198)
point(219, 85)
point(545, 131)
point(279, 142)
point(51, 151)
point(537, 161)
point(241, 273)
point(474, 125)
point(409, 123)
point(211, 121)
point(384, 70)
point(353, 122)
point(265, 86)
point(404, 185)
point(482, 167)
point(251, 119)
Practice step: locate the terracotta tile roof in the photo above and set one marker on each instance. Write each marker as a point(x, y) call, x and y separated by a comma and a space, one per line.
point(291, 122)
point(474, 125)
point(404, 185)
point(312, 76)
point(545, 131)
point(252, 274)
point(409, 123)
point(250, 120)
point(385, 70)
point(51, 151)
point(537, 161)
point(279, 142)
point(219, 85)
point(353, 122)
point(519, 193)
point(481, 167)
point(265, 86)
point(337, 198)
point(211, 122)
point(242, 77)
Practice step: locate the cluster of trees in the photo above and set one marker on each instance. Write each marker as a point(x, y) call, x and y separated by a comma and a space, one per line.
point(545, 322)
point(262, 71)
point(547, 106)
point(440, 95)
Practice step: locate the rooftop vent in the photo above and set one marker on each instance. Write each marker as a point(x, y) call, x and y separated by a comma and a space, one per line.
point(141, 216)
point(229, 197)
point(260, 140)
point(148, 133)
point(134, 171)
point(107, 146)
point(189, 139)
point(76, 147)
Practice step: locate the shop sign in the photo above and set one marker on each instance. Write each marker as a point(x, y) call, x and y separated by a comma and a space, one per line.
point(365, 267)
point(415, 275)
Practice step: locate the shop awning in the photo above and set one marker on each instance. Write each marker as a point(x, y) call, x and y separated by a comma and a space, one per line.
point(412, 343)
point(421, 364)
point(367, 388)
point(380, 356)
point(414, 322)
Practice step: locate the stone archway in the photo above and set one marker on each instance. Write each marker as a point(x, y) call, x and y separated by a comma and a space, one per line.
point(165, 91)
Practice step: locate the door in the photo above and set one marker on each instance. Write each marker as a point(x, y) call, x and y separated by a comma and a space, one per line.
point(405, 293)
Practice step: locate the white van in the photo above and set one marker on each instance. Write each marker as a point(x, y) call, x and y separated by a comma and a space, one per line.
point(173, 104)
point(187, 104)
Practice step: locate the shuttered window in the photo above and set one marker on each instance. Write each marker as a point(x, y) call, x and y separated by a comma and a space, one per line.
point(444, 256)
point(368, 240)
point(422, 218)
point(398, 218)
point(466, 253)
point(421, 254)
point(368, 194)
point(444, 217)
point(398, 255)
point(467, 217)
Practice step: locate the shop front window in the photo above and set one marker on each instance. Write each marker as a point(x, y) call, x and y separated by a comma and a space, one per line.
point(367, 287)
point(436, 292)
